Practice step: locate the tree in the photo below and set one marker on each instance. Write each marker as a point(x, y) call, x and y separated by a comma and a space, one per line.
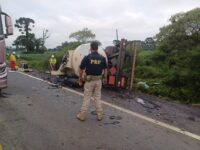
point(179, 44)
point(45, 36)
point(182, 33)
point(20, 42)
point(83, 35)
point(27, 40)
point(149, 43)
point(24, 26)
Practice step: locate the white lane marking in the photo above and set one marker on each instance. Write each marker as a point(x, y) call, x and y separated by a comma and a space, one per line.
point(162, 124)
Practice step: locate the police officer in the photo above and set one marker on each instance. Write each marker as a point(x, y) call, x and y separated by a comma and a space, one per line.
point(94, 65)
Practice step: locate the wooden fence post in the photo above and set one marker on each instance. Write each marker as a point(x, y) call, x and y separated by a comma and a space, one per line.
point(134, 50)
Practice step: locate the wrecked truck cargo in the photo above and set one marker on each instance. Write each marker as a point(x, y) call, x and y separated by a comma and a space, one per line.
point(69, 67)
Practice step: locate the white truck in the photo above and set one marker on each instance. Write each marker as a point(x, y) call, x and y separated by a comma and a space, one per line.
point(6, 29)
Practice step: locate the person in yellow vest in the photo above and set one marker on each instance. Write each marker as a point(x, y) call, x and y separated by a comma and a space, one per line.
point(52, 63)
point(13, 65)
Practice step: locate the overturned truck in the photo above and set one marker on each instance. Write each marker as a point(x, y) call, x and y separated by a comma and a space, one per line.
point(69, 68)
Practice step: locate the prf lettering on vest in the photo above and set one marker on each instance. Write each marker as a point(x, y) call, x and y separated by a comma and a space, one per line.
point(95, 62)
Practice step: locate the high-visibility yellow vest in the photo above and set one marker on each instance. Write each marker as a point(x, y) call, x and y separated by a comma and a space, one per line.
point(12, 58)
point(52, 61)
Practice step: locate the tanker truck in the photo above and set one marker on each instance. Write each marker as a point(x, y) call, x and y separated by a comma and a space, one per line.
point(6, 29)
point(69, 68)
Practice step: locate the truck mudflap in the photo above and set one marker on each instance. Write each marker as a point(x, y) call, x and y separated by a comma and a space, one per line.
point(3, 76)
point(3, 70)
point(3, 83)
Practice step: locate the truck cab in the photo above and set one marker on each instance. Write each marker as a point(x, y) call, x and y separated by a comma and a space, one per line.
point(6, 29)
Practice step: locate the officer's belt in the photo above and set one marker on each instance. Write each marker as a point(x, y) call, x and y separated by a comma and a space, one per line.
point(93, 78)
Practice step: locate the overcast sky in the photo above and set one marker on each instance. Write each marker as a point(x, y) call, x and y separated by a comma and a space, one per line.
point(134, 19)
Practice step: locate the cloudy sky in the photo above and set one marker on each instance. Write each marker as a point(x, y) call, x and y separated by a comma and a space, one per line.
point(134, 19)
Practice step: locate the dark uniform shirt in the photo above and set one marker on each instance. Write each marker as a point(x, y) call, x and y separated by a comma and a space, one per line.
point(94, 64)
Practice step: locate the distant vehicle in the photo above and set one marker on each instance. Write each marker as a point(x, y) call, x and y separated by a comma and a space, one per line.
point(6, 29)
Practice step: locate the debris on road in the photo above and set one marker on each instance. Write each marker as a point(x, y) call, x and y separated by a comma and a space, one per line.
point(183, 116)
point(115, 117)
point(112, 123)
point(191, 118)
point(2, 95)
point(94, 112)
point(143, 85)
point(30, 104)
point(141, 101)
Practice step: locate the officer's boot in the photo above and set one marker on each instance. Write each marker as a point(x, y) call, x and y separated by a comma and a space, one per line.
point(81, 116)
point(99, 115)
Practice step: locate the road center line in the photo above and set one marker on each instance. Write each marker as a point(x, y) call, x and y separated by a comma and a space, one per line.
point(162, 124)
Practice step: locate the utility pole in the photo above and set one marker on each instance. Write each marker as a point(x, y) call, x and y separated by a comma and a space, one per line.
point(134, 52)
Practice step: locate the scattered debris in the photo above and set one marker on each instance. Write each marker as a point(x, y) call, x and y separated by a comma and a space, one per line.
point(30, 104)
point(74, 103)
point(151, 106)
point(168, 120)
point(115, 117)
point(2, 95)
point(94, 112)
point(143, 84)
point(156, 83)
point(113, 123)
point(53, 86)
point(148, 104)
point(196, 105)
point(112, 117)
point(191, 118)
point(141, 101)
point(62, 144)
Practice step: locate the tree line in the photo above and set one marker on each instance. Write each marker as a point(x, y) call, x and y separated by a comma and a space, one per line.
point(175, 63)
point(31, 44)
point(28, 41)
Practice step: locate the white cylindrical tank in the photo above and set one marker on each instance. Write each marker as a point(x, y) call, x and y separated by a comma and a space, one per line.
point(79, 53)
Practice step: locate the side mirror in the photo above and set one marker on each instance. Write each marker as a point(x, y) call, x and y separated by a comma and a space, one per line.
point(9, 25)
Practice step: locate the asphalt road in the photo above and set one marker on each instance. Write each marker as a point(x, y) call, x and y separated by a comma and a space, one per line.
point(37, 116)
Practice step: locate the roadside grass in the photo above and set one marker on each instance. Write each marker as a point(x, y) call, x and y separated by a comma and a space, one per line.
point(157, 79)
point(40, 61)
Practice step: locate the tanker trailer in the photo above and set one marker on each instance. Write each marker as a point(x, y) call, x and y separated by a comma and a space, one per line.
point(69, 67)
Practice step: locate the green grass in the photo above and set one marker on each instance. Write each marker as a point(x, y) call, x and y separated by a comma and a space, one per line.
point(175, 83)
point(40, 61)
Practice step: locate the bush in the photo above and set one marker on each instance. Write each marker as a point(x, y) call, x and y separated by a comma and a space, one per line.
point(178, 74)
point(148, 72)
